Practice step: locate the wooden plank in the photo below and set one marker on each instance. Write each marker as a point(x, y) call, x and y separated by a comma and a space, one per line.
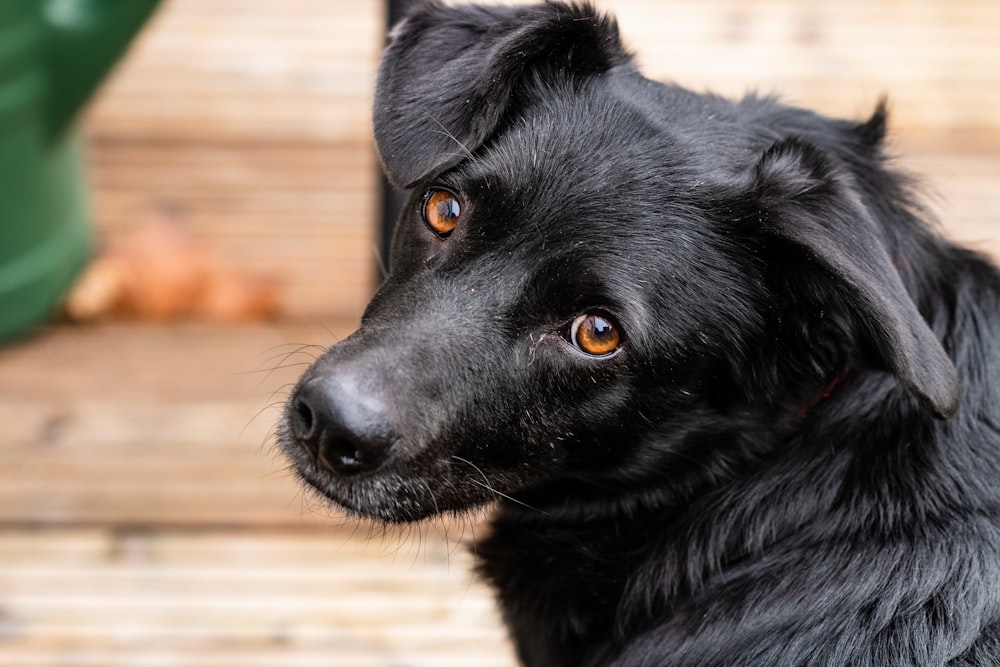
point(961, 186)
point(240, 598)
point(936, 59)
point(149, 363)
point(256, 70)
point(151, 425)
point(301, 213)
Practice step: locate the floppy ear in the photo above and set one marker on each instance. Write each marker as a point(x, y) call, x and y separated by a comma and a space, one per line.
point(450, 75)
point(803, 199)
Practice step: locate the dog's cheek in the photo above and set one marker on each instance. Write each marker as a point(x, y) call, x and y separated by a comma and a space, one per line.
point(580, 407)
point(518, 421)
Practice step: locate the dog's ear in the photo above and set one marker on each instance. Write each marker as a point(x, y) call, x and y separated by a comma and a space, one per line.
point(450, 75)
point(803, 199)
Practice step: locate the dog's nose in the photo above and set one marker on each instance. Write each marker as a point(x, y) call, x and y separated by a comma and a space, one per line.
point(343, 428)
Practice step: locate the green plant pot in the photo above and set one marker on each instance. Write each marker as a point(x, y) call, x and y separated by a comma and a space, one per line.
point(53, 54)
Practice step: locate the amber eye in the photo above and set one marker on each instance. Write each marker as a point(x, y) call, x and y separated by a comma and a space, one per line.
point(595, 335)
point(441, 211)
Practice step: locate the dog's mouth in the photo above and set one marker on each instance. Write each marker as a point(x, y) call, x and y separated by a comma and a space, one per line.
point(377, 493)
point(396, 491)
point(387, 498)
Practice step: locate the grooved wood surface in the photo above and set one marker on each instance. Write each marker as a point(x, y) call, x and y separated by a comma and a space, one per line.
point(87, 596)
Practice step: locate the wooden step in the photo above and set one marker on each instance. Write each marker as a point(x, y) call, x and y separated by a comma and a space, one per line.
point(100, 597)
point(152, 425)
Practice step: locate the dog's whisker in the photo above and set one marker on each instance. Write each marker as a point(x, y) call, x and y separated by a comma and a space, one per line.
point(335, 337)
point(271, 369)
point(501, 494)
point(430, 492)
point(283, 359)
point(280, 357)
point(299, 348)
point(486, 485)
point(272, 405)
point(380, 262)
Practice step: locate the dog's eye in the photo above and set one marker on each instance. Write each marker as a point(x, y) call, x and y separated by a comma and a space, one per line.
point(441, 211)
point(595, 335)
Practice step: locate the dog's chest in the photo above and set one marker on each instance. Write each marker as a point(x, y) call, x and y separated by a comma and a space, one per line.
point(560, 589)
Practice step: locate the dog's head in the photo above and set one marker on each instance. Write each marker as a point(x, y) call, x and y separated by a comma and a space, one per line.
point(590, 261)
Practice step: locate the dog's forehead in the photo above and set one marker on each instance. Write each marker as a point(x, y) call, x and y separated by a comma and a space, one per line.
point(577, 143)
point(615, 148)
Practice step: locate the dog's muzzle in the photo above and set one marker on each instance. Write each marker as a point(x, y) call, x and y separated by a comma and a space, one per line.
point(342, 428)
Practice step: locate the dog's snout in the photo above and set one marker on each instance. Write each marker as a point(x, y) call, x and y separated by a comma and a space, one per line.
point(343, 428)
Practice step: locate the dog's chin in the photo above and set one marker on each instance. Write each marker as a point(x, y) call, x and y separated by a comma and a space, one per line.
point(382, 497)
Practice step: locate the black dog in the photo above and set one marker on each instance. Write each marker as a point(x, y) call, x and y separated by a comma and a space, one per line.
point(740, 404)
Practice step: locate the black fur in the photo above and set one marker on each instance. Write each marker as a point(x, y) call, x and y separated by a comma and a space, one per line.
point(793, 458)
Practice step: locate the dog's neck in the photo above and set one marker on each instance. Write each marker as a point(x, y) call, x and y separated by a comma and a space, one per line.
point(824, 393)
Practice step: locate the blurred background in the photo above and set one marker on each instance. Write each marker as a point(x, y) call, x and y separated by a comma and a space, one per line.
point(233, 214)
